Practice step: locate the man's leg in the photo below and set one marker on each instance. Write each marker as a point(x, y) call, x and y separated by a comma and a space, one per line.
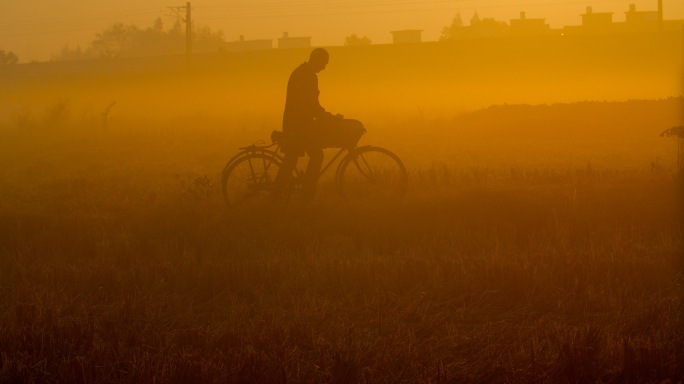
point(313, 169)
point(284, 177)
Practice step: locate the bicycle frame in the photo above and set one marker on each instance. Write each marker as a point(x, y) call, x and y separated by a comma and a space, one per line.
point(260, 163)
point(273, 153)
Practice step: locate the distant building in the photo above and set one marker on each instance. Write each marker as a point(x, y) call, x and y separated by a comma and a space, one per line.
point(293, 42)
point(635, 22)
point(249, 45)
point(642, 21)
point(641, 17)
point(527, 27)
point(596, 20)
point(407, 36)
point(593, 23)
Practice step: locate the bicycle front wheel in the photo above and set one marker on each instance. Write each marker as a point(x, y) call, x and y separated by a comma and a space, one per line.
point(372, 174)
point(249, 179)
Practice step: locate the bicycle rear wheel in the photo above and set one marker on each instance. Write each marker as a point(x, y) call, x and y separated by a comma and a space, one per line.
point(250, 178)
point(372, 174)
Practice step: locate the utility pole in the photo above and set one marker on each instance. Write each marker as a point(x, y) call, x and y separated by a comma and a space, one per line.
point(660, 15)
point(188, 31)
point(188, 28)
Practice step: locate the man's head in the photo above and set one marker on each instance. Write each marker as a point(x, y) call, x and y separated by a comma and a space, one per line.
point(318, 59)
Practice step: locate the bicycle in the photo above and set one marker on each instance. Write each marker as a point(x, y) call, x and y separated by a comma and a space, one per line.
point(363, 173)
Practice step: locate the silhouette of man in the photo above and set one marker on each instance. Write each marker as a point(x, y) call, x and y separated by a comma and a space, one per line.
point(302, 120)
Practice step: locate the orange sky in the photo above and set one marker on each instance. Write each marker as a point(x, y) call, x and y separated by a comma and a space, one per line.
point(34, 29)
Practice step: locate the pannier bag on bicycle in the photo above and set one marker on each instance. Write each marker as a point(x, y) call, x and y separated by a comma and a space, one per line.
point(339, 133)
point(330, 133)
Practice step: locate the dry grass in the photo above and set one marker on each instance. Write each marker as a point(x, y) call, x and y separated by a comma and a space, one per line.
point(127, 268)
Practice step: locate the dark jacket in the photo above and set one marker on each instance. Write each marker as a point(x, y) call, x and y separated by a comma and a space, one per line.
point(302, 105)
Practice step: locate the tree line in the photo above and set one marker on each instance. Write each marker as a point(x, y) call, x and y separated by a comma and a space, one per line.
point(121, 41)
point(8, 58)
point(128, 40)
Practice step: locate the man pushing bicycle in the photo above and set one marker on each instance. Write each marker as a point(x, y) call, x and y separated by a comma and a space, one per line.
point(308, 127)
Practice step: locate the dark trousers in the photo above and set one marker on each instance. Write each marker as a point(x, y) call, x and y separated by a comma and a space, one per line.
point(313, 170)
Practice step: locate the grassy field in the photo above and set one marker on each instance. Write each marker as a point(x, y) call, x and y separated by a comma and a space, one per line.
point(518, 255)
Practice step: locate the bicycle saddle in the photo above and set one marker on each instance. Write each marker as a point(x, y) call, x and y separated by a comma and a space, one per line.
point(276, 136)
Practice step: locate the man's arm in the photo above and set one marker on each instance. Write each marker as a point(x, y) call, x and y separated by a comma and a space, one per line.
point(317, 110)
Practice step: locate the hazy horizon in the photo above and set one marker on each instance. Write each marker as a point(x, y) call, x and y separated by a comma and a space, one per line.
point(512, 212)
point(35, 30)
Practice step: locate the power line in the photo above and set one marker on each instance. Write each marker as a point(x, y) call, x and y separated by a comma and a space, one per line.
point(69, 24)
point(256, 10)
point(261, 10)
point(253, 11)
point(70, 19)
point(394, 4)
point(44, 32)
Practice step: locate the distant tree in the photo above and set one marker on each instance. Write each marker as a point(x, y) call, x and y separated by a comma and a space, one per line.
point(155, 41)
point(158, 25)
point(490, 27)
point(478, 28)
point(355, 40)
point(452, 31)
point(207, 40)
point(68, 54)
point(115, 41)
point(121, 40)
point(8, 58)
point(476, 19)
